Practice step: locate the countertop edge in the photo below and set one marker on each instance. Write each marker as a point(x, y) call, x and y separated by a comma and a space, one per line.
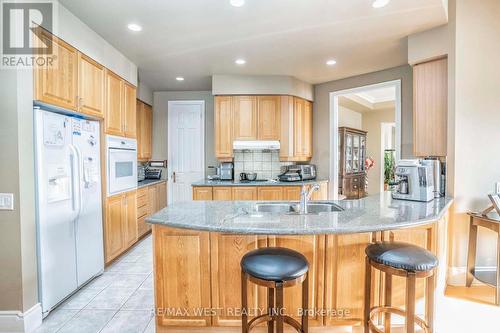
point(144, 183)
point(208, 183)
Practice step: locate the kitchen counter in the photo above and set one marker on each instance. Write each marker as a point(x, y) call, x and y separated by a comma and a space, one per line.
point(148, 182)
point(207, 182)
point(371, 214)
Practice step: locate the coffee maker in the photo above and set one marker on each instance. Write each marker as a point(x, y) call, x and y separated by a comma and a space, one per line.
point(415, 181)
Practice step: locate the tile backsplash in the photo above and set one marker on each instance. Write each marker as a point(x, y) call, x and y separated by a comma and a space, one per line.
point(266, 164)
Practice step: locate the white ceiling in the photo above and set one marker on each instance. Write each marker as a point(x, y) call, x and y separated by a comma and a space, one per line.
point(198, 38)
point(379, 95)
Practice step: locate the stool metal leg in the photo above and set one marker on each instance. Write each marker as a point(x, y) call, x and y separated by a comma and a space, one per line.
point(368, 284)
point(305, 304)
point(387, 301)
point(270, 309)
point(471, 253)
point(410, 303)
point(429, 302)
point(279, 307)
point(244, 303)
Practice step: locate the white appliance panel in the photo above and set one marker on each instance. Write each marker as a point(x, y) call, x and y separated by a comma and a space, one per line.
point(89, 233)
point(57, 207)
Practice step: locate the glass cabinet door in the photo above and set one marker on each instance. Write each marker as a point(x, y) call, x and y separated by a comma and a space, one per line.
point(348, 153)
point(355, 153)
point(363, 152)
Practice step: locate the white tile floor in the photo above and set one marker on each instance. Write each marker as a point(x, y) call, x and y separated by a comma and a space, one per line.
point(120, 300)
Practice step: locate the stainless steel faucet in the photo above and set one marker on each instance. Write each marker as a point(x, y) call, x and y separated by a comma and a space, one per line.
point(305, 195)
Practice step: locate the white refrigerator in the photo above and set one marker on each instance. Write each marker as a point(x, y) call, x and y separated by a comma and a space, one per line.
point(69, 206)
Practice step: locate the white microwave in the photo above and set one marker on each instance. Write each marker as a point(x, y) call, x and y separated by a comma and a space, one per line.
point(121, 164)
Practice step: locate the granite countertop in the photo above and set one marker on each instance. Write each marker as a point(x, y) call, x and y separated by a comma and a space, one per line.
point(148, 182)
point(207, 182)
point(370, 214)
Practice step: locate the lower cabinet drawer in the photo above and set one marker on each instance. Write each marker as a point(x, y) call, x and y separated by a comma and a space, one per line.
point(142, 226)
point(142, 211)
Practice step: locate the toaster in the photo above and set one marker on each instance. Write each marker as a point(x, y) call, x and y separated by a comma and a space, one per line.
point(306, 171)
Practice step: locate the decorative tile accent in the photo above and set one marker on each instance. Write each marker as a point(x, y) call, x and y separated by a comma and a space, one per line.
point(265, 163)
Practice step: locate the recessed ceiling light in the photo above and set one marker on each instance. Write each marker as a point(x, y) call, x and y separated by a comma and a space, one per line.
point(331, 62)
point(380, 3)
point(179, 78)
point(134, 27)
point(237, 3)
point(240, 61)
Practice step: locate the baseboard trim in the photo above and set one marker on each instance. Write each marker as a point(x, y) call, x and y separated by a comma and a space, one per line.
point(457, 275)
point(19, 322)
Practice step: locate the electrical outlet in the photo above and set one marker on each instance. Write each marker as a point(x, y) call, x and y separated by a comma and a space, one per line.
point(6, 201)
point(497, 188)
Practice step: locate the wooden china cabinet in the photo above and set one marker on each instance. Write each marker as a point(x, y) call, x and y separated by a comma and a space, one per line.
point(352, 155)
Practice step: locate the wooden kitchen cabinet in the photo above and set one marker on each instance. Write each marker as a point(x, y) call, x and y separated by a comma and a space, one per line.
point(244, 117)
point(226, 253)
point(142, 211)
point(223, 127)
point(114, 228)
point(345, 266)
point(313, 248)
point(222, 193)
point(130, 200)
point(244, 193)
point(91, 90)
point(113, 121)
point(162, 195)
point(270, 193)
point(56, 82)
point(269, 123)
point(430, 108)
point(302, 128)
point(153, 199)
point(296, 129)
point(130, 115)
point(182, 275)
point(120, 113)
point(202, 193)
point(144, 130)
point(120, 225)
point(291, 193)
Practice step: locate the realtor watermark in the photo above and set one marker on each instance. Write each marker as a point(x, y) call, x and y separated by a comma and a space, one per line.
point(251, 312)
point(24, 40)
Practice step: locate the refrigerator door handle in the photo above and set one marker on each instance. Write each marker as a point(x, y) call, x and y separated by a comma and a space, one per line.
point(75, 182)
point(80, 178)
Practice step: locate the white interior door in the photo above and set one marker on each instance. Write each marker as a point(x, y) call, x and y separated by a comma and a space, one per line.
point(186, 147)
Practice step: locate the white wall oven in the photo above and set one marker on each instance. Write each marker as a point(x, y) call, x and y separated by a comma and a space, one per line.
point(121, 164)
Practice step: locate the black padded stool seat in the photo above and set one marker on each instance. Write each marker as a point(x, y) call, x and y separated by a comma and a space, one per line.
point(274, 264)
point(402, 256)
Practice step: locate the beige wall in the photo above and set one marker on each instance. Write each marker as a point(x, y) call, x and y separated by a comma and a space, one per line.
point(475, 119)
point(160, 122)
point(427, 45)
point(350, 118)
point(261, 85)
point(321, 113)
point(372, 124)
point(18, 273)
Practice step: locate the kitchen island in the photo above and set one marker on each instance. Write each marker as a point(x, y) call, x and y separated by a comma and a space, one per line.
point(198, 246)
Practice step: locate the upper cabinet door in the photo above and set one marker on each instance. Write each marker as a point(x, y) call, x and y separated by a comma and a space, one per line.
point(139, 125)
point(430, 109)
point(147, 134)
point(130, 115)
point(223, 127)
point(114, 104)
point(90, 86)
point(245, 117)
point(56, 82)
point(298, 124)
point(269, 112)
point(307, 129)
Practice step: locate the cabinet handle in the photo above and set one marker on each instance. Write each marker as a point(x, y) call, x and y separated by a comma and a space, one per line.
point(174, 177)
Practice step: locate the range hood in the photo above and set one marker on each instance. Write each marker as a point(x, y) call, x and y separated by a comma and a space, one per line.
point(256, 145)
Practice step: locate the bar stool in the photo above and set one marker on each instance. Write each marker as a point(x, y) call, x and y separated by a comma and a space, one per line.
point(274, 268)
point(408, 261)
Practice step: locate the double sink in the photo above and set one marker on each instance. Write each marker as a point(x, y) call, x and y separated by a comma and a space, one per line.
point(294, 207)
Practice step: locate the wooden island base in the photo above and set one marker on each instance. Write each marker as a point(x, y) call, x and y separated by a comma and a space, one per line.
point(197, 276)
